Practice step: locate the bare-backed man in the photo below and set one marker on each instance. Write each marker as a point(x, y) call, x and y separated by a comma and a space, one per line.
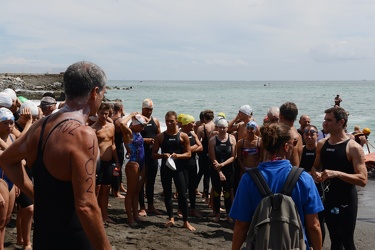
point(63, 153)
point(105, 132)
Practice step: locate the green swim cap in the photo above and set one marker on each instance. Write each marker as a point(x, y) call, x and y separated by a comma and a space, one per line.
point(22, 99)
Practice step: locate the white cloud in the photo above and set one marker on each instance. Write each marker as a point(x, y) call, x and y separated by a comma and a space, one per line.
point(197, 39)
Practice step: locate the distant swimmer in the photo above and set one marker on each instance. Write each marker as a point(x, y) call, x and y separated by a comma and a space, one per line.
point(337, 100)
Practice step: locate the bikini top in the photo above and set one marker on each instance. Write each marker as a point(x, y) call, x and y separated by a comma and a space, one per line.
point(250, 151)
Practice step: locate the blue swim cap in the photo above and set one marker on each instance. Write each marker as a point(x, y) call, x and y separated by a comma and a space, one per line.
point(252, 124)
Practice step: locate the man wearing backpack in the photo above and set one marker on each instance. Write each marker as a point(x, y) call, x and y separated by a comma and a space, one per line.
point(284, 229)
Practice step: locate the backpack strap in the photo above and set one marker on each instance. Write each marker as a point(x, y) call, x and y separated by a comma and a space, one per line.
point(291, 180)
point(260, 182)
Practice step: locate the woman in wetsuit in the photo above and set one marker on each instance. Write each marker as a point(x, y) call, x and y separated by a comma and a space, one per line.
point(7, 189)
point(222, 151)
point(134, 169)
point(187, 126)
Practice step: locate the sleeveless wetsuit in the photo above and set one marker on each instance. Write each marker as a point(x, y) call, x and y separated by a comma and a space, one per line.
point(341, 203)
point(56, 225)
point(137, 153)
point(172, 144)
point(204, 165)
point(151, 164)
point(223, 151)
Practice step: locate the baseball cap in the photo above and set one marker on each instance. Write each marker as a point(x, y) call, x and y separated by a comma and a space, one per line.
point(47, 100)
point(246, 109)
point(147, 103)
point(186, 119)
point(5, 100)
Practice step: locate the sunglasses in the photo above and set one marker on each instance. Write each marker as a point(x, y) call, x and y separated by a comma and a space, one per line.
point(310, 131)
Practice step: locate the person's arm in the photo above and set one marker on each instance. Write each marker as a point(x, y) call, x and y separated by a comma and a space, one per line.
point(157, 125)
point(197, 147)
point(239, 234)
point(233, 124)
point(317, 167)
point(127, 134)
point(313, 231)
point(295, 159)
point(83, 159)
point(155, 148)
point(186, 148)
point(114, 150)
point(239, 155)
point(357, 156)
point(11, 163)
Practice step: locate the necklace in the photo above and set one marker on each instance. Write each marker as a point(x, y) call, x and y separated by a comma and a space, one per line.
point(276, 158)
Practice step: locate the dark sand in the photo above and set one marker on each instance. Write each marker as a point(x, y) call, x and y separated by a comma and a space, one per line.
point(151, 233)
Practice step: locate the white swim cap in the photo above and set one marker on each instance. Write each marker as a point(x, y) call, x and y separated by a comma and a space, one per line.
point(6, 114)
point(147, 103)
point(138, 119)
point(221, 123)
point(246, 109)
point(5, 100)
point(32, 106)
point(11, 93)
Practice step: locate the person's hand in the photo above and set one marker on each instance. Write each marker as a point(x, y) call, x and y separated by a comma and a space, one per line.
point(26, 114)
point(222, 177)
point(17, 191)
point(317, 176)
point(328, 174)
point(174, 156)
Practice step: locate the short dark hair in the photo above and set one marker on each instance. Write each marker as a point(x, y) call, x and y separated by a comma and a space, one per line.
point(289, 111)
point(81, 77)
point(105, 106)
point(339, 113)
point(170, 113)
point(208, 114)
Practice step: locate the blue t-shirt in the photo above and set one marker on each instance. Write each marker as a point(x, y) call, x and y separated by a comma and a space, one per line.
point(305, 194)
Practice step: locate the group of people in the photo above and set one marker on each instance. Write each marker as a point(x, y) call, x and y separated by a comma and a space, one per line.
point(76, 154)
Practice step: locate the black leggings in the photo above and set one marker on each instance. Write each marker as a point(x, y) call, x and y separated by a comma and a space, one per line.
point(217, 185)
point(179, 178)
point(191, 180)
point(151, 167)
point(204, 170)
point(341, 226)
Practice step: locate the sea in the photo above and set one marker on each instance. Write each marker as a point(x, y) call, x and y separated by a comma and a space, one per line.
point(311, 98)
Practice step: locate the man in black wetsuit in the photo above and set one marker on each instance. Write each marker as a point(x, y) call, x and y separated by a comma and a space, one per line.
point(149, 132)
point(63, 154)
point(341, 161)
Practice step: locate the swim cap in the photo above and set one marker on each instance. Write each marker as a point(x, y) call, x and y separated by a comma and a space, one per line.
point(138, 119)
point(11, 93)
point(246, 109)
point(6, 114)
point(22, 99)
point(5, 100)
point(186, 119)
point(366, 131)
point(221, 123)
point(32, 106)
point(221, 114)
point(179, 117)
point(147, 103)
point(252, 124)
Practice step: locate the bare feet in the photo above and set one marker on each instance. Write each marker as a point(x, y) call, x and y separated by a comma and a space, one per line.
point(153, 210)
point(118, 195)
point(188, 226)
point(122, 189)
point(108, 220)
point(195, 213)
point(197, 192)
point(175, 195)
point(142, 212)
point(28, 247)
point(217, 218)
point(170, 223)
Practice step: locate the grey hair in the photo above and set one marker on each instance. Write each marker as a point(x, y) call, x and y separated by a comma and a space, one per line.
point(273, 111)
point(81, 77)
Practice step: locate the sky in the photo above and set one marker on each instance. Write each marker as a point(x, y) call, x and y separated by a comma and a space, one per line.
point(251, 40)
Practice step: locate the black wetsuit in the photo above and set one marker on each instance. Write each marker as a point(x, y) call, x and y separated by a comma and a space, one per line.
point(56, 225)
point(307, 161)
point(172, 144)
point(151, 164)
point(191, 166)
point(341, 203)
point(204, 165)
point(223, 151)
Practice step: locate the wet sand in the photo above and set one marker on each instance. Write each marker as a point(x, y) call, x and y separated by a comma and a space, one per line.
point(151, 233)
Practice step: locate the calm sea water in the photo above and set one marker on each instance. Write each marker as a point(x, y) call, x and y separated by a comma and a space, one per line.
point(311, 97)
point(191, 97)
